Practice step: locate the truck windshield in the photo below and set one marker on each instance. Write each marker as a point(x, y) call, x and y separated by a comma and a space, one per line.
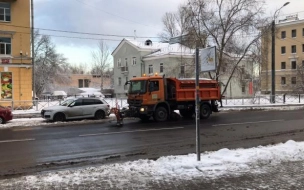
point(137, 87)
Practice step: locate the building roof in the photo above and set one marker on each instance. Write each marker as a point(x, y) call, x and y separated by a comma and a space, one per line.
point(157, 48)
point(172, 49)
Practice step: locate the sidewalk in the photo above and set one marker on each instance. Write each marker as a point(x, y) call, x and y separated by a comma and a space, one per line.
point(288, 175)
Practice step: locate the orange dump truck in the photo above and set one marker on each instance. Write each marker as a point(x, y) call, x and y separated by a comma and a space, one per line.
point(158, 97)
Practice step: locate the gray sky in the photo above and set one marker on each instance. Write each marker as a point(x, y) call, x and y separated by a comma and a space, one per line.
point(114, 17)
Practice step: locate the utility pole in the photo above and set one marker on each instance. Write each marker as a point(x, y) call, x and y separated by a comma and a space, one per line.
point(197, 106)
point(272, 62)
point(272, 98)
point(33, 49)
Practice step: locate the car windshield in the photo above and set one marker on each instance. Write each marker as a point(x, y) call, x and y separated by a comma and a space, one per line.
point(137, 87)
point(67, 102)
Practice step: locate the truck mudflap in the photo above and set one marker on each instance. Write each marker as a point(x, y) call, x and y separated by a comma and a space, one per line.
point(214, 106)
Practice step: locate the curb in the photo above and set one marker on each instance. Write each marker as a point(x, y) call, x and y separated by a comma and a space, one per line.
point(234, 107)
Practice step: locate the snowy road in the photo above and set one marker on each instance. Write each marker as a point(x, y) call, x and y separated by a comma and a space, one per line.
point(217, 170)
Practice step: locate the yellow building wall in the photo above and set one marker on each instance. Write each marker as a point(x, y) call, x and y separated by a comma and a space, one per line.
point(19, 30)
point(297, 25)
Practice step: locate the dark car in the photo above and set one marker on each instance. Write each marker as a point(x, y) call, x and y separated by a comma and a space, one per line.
point(5, 115)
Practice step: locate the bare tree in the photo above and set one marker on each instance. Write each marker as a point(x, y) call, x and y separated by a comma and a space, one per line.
point(231, 25)
point(50, 66)
point(101, 60)
point(78, 69)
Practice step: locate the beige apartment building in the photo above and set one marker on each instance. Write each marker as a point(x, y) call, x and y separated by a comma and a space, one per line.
point(289, 57)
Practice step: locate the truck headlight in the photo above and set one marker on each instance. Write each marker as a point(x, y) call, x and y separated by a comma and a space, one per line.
point(142, 109)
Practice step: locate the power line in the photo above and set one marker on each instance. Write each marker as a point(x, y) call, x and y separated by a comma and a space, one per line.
point(85, 33)
point(74, 37)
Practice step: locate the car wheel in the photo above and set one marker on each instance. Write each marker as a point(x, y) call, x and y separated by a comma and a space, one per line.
point(2, 121)
point(59, 117)
point(100, 114)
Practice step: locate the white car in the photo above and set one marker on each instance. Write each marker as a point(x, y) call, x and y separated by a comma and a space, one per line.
point(77, 108)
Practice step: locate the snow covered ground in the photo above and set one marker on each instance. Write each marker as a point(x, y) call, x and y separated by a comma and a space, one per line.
point(212, 166)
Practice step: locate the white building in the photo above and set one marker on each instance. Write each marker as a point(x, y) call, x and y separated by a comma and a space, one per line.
point(133, 59)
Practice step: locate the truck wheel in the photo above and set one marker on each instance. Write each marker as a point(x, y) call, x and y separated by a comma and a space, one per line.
point(186, 113)
point(160, 114)
point(144, 117)
point(205, 111)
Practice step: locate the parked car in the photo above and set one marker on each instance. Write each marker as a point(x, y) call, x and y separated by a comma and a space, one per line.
point(77, 108)
point(5, 115)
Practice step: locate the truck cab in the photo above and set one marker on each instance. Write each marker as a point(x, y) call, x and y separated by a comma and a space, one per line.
point(144, 94)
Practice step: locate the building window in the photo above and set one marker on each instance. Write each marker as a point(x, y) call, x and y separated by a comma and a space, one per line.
point(303, 32)
point(293, 80)
point(161, 67)
point(294, 33)
point(126, 62)
point(150, 69)
point(5, 12)
point(119, 81)
point(283, 80)
point(293, 65)
point(80, 83)
point(134, 61)
point(5, 46)
point(283, 34)
point(182, 69)
point(126, 86)
point(243, 88)
point(119, 62)
point(283, 50)
point(302, 47)
point(134, 76)
point(86, 82)
point(293, 49)
point(283, 65)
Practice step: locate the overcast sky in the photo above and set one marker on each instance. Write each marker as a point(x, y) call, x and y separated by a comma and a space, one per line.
point(112, 17)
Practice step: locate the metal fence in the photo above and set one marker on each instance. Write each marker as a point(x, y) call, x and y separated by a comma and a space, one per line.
point(38, 105)
point(264, 100)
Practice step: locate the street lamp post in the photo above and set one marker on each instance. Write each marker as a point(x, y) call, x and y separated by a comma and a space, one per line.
point(272, 98)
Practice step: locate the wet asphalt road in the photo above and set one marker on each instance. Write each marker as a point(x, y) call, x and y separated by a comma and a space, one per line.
point(31, 149)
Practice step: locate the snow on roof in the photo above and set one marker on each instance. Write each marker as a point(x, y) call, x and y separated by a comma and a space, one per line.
point(153, 45)
point(59, 93)
point(173, 49)
point(91, 91)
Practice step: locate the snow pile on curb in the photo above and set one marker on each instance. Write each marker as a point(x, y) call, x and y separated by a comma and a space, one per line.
point(212, 165)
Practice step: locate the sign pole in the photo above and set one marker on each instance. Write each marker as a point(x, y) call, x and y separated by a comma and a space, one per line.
point(197, 106)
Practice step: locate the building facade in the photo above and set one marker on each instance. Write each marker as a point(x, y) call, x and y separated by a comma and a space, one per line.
point(289, 57)
point(15, 51)
point(134, 58)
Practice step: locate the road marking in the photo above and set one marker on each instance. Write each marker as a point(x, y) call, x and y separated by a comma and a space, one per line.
point(130, 131)
point(248, 122)
point(16, 140)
